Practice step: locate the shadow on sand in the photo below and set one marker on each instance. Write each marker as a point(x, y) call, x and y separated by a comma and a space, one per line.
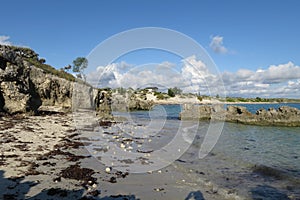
point(195, 196)
point(17, 188)
point(267, 192)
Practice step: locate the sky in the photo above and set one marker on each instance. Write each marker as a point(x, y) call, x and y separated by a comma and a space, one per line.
point(254, 44)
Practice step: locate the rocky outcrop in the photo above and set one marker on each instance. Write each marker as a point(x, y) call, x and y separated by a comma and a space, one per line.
point(283, 116)
point(139, 104)
point(131, 101)
point(52, 90)
point(103, 105)
point(25, 86)
point(16, 86)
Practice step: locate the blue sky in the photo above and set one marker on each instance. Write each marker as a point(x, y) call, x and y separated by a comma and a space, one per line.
point(247, 35)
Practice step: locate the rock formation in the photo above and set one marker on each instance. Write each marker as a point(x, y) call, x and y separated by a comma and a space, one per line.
point(26, 83)
point(131, 101)
point(53, 91)
point(283, 116)
point(18, 91)
point(103, 105)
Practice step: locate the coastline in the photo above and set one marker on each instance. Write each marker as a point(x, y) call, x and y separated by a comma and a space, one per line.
point(180, 101)
point(45, 157)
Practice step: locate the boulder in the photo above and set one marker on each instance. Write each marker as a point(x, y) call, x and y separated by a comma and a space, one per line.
point(237, 110)
point(131, 101)
point(103, 105)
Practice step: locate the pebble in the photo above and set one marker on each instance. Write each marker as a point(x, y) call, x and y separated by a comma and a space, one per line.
point(94, 185)
point(122, 145)
point(108, 170)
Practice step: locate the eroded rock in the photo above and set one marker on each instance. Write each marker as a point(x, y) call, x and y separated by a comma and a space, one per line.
point(283, 116)
point(25, 86)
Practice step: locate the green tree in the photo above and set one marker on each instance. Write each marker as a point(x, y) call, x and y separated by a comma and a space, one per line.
point(171, 92)
point(79, 65)
point(174, 91)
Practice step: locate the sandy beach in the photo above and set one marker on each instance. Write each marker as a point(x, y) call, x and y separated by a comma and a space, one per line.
point(44, 157)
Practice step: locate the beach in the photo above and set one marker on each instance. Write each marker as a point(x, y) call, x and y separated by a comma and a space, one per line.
point(43, 157)
point(63, 156)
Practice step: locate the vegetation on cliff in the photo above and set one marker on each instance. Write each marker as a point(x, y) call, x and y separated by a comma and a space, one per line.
point(51, 70)
point(17, 55)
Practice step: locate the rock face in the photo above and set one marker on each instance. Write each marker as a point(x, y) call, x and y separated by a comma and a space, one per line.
point(103, 105)
point(283, 116)
point(131, 101)
point(24, 87)
point(52, 90)
point(18, 91)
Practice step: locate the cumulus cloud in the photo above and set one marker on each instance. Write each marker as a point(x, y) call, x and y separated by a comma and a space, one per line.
point(277, 80)
point(194, 76)
point(190, 77)
point(217, 46)
point(4, 40)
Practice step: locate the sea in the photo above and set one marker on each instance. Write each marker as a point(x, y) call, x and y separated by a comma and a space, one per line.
point(255, 162)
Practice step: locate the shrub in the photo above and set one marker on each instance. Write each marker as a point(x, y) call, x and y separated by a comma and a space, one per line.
point(160, 96)
point(199, 98)
point(171, 93)
point(51, 70)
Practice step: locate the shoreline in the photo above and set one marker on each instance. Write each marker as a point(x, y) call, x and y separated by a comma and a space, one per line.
point(209, 102)
point(46, 157)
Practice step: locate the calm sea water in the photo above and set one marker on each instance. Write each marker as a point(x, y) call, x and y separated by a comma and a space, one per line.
point(258, 162)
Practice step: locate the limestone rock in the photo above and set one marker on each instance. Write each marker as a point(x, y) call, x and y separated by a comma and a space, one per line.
point(103, 105)
point(131, 101)
point(283, 116)
point(53, 91)
point(24, 86)
point(18, 92)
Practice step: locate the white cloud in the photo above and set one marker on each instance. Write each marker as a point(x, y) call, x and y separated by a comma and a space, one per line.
point(194, 76)
point(4, 40)
point(217, 46)
point(278, 80)
point(191, 77)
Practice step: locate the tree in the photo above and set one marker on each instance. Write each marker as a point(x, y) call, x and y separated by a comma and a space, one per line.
point(174, 91)
point(171, 92)
point(42, 60)
point(79, 65)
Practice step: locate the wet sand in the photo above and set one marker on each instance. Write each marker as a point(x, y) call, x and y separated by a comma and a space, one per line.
point(44, 157)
